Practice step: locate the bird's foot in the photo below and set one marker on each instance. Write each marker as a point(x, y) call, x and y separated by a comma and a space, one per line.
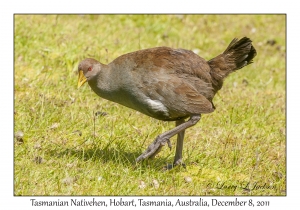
point(179, 162)
point(154, 148)
point(171, 166)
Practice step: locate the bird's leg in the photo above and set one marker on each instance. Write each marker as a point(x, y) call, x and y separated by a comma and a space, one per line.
point(179, 145)
point(164, 138)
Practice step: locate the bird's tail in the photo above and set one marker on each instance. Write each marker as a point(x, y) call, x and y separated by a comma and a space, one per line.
point(238, 54)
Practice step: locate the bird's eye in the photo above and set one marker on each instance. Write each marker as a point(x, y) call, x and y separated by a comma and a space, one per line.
point(90, 68)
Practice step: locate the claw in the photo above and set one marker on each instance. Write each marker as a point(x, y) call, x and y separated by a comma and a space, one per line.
point(154, 148)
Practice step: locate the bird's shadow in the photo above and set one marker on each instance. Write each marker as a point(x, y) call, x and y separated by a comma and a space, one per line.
point(118, 156)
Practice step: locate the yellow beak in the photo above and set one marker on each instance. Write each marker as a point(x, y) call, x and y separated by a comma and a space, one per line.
point(81, 79)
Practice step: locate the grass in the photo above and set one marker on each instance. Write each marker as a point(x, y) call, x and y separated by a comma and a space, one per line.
point(241, 145)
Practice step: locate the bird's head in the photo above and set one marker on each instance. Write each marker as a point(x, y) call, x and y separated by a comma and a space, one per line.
point(87, 70)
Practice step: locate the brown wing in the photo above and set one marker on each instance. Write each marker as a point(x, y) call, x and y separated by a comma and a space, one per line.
point(178, 96)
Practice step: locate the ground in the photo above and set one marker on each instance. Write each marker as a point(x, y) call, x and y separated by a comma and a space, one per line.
point(65, 149)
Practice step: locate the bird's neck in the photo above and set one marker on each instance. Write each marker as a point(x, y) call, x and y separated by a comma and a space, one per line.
point(102, 83)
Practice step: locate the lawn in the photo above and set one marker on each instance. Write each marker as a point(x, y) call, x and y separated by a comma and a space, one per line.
point(75, 143)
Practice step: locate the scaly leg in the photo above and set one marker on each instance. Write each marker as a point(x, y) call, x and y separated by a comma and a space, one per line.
point(164, 138)
point(179, 145)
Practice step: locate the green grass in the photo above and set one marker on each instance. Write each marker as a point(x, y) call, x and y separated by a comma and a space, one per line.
point(242, 141)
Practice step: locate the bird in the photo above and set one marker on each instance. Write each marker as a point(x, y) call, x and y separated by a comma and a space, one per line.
point(166, 84)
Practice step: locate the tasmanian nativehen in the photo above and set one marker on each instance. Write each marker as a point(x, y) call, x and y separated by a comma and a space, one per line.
point(166, 84)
